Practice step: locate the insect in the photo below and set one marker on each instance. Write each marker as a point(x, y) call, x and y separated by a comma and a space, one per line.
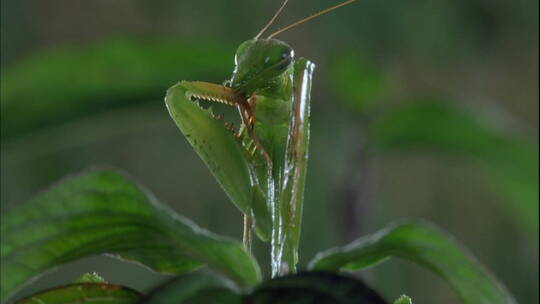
point(270, 88)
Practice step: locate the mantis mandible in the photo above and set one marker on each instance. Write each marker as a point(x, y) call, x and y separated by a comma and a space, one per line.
point(262, 165)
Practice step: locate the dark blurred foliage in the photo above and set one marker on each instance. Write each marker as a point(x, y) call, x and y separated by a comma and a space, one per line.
point(420, 109)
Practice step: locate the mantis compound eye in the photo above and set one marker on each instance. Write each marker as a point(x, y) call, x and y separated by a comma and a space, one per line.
point(285, 55)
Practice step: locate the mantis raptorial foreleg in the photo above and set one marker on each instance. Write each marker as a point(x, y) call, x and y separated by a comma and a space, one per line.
point(199, 90)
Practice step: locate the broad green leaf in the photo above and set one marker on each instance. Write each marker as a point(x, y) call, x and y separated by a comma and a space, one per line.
point(403, 300)
point(103, 212)
point(314, 287)
point(222, 153)
point(427, 246)
point(66, 83)
point(80, 293)
point(509, 161)
point(195, 288)
point(90, 278)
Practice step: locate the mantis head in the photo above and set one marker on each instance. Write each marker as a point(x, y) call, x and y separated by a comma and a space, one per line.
point(258, 62)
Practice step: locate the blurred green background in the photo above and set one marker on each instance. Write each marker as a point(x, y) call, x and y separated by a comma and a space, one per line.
point(420, 109)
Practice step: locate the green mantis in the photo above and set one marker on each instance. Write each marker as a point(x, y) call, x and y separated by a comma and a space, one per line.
point(262, 165)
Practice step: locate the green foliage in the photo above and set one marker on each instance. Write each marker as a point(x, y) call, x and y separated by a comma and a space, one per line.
point(195, 288)
point(103, 212)
point(205, 288)
point(440, 127)
point(64, 83)
point(85, 293)
point(444, 128)
point(425, 245)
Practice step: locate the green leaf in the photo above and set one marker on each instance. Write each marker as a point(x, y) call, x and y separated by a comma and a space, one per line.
point(195, 288)
point(85, 293)
point(510, 162)
point(222, 153)
point(66, 83)
point(314, 287)
point(403, 300)
point(427, 246)
point(90, 278)
point(103, 212)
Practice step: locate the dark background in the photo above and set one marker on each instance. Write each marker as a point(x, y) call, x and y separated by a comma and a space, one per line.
point(420, 108)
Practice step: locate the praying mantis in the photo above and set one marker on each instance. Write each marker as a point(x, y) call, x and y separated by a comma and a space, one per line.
point(262, 165)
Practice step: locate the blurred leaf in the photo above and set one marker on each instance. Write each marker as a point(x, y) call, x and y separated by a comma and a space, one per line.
point(90, 278)
point(194, 288)
point(222, 153)
point(103, 212)
point(357, 81)
point(314, 287)
point(403, 300)
point(427, 246)
point(85, 293)
point(64, 84)
point(441, 127)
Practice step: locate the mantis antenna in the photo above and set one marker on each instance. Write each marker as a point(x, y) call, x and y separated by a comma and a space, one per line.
point(309, 18)
point(271, 20)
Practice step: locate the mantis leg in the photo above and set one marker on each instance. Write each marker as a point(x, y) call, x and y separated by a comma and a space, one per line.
point(296, 163)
